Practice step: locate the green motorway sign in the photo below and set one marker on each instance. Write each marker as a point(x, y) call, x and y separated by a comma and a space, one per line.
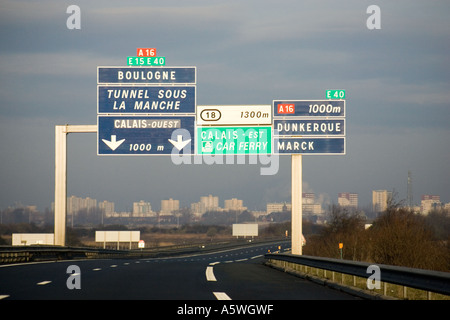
point(335, 94)
point(234, 140)
point(146, 61)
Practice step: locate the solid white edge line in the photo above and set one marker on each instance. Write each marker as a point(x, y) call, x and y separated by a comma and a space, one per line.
point(210, 274)
point(221, 296)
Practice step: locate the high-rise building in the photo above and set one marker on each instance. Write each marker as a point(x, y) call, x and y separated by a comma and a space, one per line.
point(234, 204)
point(380, 200)
point(278, 207)
point(207, 203)
point(142, 209)
point(75, 204)
point(210, 202)
point(107, 207)
point(430, 202)
point(347, 199)
point(169, 206)
point(309, 205)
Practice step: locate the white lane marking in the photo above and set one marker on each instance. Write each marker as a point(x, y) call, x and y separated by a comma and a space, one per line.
point(43, 283)
point(221, 296)
point(97, 269)
point(210, 274)
point(257, 256)
point(245, 259)
point(214, 263)
point(113, 265)
point(4, 296)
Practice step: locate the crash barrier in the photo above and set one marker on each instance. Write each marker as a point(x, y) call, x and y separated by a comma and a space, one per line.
point(19, 254)
point(357, 277)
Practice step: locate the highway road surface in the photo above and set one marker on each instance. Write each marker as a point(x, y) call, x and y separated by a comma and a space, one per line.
point(232, 274)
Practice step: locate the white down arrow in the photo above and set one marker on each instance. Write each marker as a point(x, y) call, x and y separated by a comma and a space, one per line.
point(179, 144)
point(113, 144)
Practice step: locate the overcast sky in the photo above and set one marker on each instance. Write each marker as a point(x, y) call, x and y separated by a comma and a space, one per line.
point(397, 82)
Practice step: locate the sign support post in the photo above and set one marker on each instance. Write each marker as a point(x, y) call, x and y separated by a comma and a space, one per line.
point(297, 210)
point(61, 132)
point(60, 185)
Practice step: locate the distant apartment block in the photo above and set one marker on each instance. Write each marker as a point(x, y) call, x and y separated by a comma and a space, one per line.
point(168, 207)
point(206, 203)
point(76, 204)
point(380, 200)
point(347, 199)
point(309, 205)
point(107, 207)
point(210, 202)
point(234, 205)
point(142, 209)
point(278, 207)
point(429, 203)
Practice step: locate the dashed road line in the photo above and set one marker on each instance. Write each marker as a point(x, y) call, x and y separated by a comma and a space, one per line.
point(221, 296)
point(210, 274)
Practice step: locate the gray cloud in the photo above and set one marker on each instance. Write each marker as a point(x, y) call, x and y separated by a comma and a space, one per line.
point(251, 52)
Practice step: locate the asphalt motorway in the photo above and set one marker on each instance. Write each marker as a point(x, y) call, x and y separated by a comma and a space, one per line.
point(233, 274)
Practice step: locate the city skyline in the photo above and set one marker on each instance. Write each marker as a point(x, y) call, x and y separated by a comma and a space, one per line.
point(396, 80)
point(325, 200)
point(380, 199)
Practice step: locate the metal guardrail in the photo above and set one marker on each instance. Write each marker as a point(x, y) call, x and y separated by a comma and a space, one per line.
point(427, 280)
point(19, 254)
point(42, 253)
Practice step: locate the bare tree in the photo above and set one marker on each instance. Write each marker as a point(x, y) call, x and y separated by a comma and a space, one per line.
point(401, 237)
point(343, 226)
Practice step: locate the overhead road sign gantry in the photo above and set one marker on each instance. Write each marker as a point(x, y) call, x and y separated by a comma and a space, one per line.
point(146, 75)
point(146, 110)
point(308, 108)
point(309, 127)
point(219, 115)
point(309, 145)
point(239, 140)
point(145, 135)
point(146, 99)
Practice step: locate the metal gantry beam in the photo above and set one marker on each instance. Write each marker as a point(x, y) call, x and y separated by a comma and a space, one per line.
point(61, 132)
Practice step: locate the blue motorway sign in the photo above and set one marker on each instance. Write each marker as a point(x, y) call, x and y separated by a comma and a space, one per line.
point(145, 135)
point(309, 127)
point(309, 145)
point(146, 99)
point(308, 108)
point(146, 75)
